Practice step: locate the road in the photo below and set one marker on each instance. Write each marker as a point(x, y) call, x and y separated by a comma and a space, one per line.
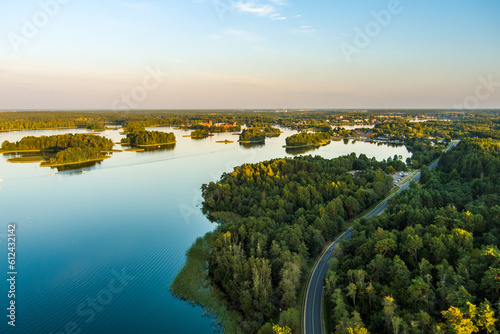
point(313, 310)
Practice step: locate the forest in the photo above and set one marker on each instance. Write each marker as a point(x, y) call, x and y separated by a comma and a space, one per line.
point(308, 139)
point(273, 217)
point(431, 262)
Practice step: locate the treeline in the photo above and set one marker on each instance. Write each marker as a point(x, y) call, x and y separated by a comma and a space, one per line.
point(303, 138)
point(59, 142)
point(274, 217)
point(10, 121)
point(431, 263)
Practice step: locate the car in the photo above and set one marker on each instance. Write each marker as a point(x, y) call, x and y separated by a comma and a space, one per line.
point(331, 249)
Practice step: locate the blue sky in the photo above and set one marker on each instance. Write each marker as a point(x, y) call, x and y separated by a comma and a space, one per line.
point(249, 54)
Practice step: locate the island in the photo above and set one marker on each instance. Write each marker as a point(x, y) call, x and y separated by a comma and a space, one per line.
point(200, 134)
point(253, 136)
point(303, 139)
point(59, 150)
point(137, 136)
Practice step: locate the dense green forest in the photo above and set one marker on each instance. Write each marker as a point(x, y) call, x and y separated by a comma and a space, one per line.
point(431, 263)
point(59, 142)
point(304, 139)
point(274, 216)
point(256, 135)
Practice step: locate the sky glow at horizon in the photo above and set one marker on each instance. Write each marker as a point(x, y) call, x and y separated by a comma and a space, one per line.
point(229, 54)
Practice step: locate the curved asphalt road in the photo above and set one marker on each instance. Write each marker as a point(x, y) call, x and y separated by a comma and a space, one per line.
point(313, 310)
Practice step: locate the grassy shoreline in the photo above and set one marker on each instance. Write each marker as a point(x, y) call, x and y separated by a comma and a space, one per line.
point(72, 163)
point(192, 285)
point(323, 143)
point(251, 142)
point(26, 160)
point(160, 144)
point(19, 151)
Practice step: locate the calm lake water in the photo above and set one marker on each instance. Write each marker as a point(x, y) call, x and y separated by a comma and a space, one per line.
point(98, 251)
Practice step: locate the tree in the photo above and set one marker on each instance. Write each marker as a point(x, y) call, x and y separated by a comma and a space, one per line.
point(291, 318)
point(281, 330)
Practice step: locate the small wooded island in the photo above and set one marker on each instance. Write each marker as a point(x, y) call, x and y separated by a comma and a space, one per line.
point(257, 133)
point(303, 139)
point(59, 150)
point(137, 136)
point(252, 136)
point(200, 134)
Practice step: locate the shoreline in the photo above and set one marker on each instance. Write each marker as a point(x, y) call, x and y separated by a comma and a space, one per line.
point(26, 160)
point(151, 145)
point(19, 151)
point(73, 163)
point(252, 142)
point(309, 145)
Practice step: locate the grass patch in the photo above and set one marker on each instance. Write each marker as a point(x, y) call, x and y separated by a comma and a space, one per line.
point(19, 151)
point(322, 143)
point(191, 284)
point(160, 144)
point(225, 141)
point(27, 160)
point(134, 150)
point(112, 151)
point(72, 163)
point(251, 141)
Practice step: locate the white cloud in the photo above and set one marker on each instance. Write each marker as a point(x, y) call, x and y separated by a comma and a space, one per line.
point(254, 8)
point(264, 9)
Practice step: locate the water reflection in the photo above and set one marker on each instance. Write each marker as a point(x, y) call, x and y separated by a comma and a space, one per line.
point(159, 148)
point(253, 145)
point(300, 150)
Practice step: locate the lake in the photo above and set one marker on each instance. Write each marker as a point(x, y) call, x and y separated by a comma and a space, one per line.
point(96, 252)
